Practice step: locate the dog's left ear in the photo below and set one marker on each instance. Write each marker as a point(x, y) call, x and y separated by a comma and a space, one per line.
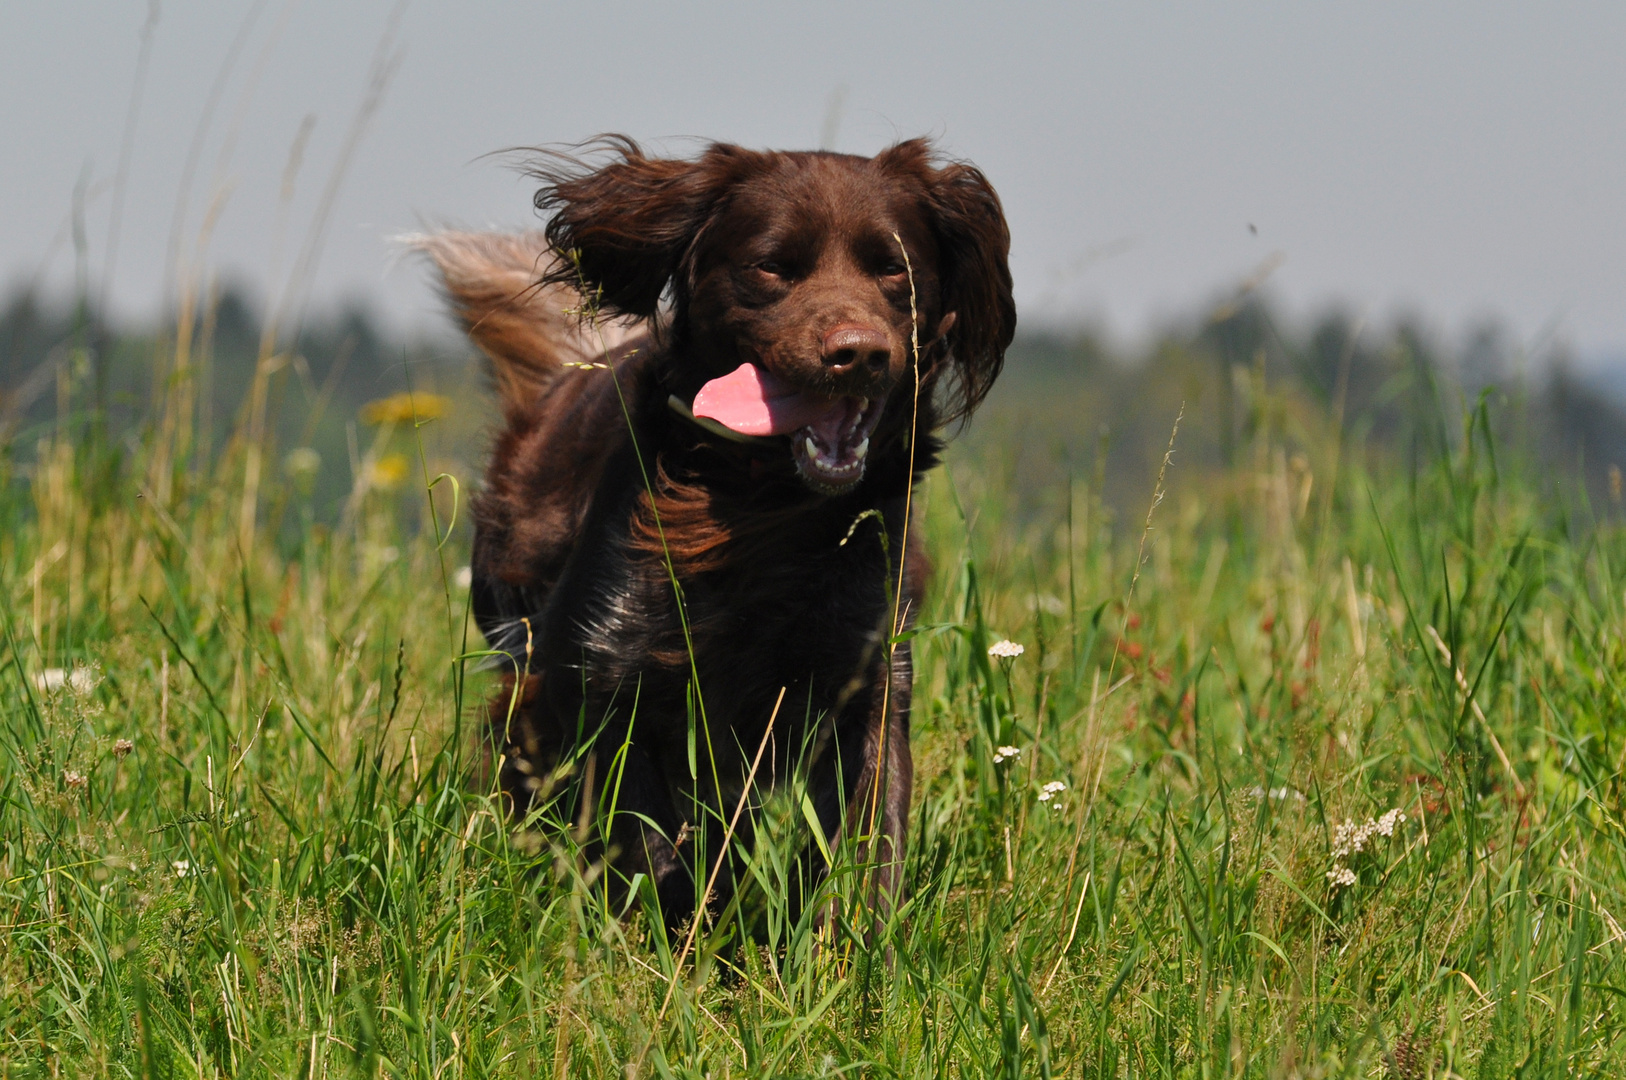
point(622, 230)
point(974, 245)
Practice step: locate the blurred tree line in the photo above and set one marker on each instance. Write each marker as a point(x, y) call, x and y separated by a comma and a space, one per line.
point(1068, 404)
point(62, 368)
point(1334, 394)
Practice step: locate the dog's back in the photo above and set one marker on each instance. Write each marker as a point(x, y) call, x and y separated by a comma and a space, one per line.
point(561, 423)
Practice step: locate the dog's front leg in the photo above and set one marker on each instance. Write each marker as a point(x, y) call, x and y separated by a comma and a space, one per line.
point(860, 788)
point(640, 832)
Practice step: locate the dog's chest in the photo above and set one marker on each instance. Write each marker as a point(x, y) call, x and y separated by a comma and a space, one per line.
point(794, 608)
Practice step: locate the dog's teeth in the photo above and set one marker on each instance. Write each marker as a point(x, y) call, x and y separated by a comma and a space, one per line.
point(863, 403)
point(811, 447)
point(861, 449)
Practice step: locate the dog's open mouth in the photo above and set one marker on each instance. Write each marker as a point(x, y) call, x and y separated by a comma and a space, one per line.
point(829, 436)
point(830, 452)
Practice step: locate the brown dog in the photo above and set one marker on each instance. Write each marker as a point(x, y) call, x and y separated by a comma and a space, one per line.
point(720, 378)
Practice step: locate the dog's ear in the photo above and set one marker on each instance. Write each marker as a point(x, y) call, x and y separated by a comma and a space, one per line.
point(974, 246)
point(621, 230)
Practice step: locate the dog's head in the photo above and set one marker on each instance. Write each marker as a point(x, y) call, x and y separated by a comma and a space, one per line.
point(801, 285)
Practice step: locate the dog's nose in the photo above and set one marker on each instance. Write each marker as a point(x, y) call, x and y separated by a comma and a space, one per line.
point(849, 346)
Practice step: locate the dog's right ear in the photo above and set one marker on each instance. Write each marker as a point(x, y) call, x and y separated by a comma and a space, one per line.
point(620, 231)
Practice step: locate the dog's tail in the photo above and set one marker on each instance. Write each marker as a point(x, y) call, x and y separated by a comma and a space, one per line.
point(493, 282)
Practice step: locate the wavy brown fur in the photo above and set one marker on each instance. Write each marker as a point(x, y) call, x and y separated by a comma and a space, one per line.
point(604, 509)
point(529, 328)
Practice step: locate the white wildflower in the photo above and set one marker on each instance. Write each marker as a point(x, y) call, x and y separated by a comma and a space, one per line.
point(182, 867)
point(1351, 839)
point(1006, 753)
point(1005, 649)
point(302, 462)
point(1051, 790)
point(1340, 876)
point(463, 578)
point(51, 679)
point(74, 779)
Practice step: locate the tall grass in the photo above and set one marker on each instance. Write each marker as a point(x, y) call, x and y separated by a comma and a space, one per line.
point(242, 830)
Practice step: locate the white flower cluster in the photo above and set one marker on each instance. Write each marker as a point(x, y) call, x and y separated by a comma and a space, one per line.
point(1006, 753)
point(1005, 650)
point(1276, 794)
point(1351, 839)
point(1048, 793)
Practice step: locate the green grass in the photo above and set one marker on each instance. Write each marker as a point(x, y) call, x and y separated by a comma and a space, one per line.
point(295, 872)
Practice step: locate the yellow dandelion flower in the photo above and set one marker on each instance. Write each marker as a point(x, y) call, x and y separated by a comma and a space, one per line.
point(405, 408)
point(388, 471)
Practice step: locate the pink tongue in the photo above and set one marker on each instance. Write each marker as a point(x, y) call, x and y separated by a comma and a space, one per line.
point(753, 401)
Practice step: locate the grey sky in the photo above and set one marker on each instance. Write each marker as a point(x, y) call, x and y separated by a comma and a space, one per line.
point(1459, 159)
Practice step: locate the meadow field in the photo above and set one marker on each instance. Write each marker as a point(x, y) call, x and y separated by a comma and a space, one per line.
point(1309, 765)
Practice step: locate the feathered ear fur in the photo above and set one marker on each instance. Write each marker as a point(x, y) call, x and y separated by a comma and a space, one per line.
point(495, 284)
point(974, 246)
point(621, 230)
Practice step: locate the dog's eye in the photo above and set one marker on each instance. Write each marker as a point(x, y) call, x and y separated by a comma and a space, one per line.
point(894, 269)
point(771, 268)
